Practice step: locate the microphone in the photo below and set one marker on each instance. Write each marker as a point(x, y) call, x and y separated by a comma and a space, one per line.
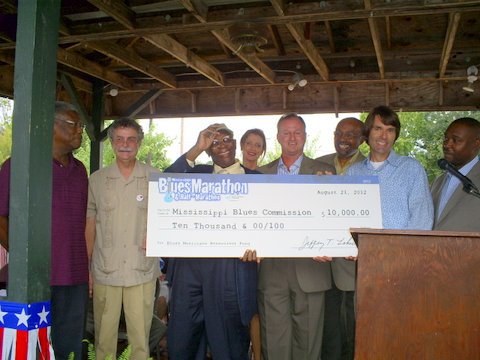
point(468, 185)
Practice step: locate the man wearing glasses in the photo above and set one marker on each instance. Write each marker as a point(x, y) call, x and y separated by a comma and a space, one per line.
point(69, 266)
point(212, 300)
point(116, 233)
point(339, 327)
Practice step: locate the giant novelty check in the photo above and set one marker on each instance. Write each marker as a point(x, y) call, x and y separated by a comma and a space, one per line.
point(205, 215)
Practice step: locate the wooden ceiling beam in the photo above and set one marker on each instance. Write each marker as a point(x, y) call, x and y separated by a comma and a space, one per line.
point(189, 58)
point(254, 62)
point(306, 13)
point(200, 11)
point(9, 5)
point(6, 38)
point(133, 60)
point(63, 28)
point(142, 103)
point(453, 21)
point(331, 41)
point(79, 84)
point(310, 50)
point(307, 46)
point(6, 80)
point(388, 32)
point(117, 10)
point(377, 44)
point(7, 58)
point(77, 62)
point(277, 40)
point(124, 15)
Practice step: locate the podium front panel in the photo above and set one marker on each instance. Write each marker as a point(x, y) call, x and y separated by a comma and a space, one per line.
point(418, 297)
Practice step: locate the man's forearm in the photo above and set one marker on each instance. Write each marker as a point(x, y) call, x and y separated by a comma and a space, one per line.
point(90, 236)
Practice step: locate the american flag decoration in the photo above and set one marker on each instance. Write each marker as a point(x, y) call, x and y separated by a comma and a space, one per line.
point(25, 331)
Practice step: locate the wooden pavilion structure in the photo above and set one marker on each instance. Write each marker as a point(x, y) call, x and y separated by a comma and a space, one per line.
point(181, 58)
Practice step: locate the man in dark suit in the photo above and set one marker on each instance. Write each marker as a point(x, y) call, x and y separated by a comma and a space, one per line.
point(339, 327)
point(456, 210)
point(291, 291)
point(212, 299)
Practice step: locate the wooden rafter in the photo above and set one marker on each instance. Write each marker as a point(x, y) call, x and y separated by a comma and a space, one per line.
point(6, 58)
point(6, 80)
point(453, 21)
point(9, 5)
point(377, 44)
point(388, 32)
point(133, 60)
point(277, 40)
point(77, 62)
point(80, 84)
point(307, 46)
point(310, 50)
point(331, 42)
point(124, 15)
point(199, 10)
point(117, 10)
point(180, 52)
point(309, 13)
point(143, 102)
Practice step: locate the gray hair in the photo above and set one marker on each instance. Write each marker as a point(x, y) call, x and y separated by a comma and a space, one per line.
point(125, 123)
point(62, 107)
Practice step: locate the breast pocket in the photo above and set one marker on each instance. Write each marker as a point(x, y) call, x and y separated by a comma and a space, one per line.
point(106, 217)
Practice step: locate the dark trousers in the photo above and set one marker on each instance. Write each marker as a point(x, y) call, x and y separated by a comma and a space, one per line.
point(204, 310)
point(69, 309)
point(339, 325)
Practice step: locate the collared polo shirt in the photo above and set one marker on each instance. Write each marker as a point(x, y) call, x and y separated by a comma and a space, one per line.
point(69, 263)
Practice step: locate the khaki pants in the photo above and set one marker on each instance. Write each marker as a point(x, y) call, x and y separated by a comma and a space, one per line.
point(138, 308)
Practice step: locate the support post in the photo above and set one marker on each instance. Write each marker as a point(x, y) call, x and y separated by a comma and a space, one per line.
point(25, 320)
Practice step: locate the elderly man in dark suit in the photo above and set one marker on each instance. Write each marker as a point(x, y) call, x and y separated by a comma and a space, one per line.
point(456, 210)
point(212, 300)
point(291, 291)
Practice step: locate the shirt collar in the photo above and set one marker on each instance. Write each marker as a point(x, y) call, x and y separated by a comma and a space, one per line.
point(294, 168)
point(114, 172)
point(235, 168)
point(70, 162)
point(392, 159)
point(465, 169)
point(340, 170)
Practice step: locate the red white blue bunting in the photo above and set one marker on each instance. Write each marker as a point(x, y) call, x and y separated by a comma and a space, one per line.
point(25, 331)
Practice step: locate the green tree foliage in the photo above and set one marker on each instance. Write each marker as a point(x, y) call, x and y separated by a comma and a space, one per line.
point(421, 136)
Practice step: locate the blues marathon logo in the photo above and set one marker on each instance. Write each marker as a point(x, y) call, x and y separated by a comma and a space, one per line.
point(186, 189)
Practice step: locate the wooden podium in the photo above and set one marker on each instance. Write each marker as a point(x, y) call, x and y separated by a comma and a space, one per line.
point(417, 295)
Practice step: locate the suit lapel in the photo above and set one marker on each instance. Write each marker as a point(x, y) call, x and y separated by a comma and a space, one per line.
point(306, 166)
point(270, 168)
point(458, 194)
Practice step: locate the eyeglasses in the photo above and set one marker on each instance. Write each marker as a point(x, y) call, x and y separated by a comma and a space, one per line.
point(346, 135)
point(73, 124)
point(226, 140)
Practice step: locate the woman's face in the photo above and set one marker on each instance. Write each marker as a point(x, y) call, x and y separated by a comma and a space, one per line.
point(253, 147)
